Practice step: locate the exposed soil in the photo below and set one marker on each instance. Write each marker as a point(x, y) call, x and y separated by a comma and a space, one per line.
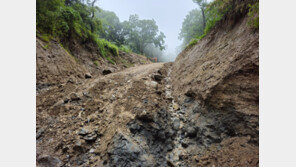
point(129, 118)
point(201, 110)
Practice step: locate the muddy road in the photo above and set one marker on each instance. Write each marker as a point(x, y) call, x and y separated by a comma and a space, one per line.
point(129, 118)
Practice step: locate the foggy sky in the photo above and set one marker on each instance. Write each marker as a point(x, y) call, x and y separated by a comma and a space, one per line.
point(168, 14)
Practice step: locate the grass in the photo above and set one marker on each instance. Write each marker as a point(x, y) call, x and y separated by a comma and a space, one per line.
point(45, 37)
point(110, 60)
point(192, 43)
point(45, 47)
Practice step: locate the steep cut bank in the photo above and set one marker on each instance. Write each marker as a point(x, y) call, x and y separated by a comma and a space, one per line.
point(217, 83)
point(222, 70)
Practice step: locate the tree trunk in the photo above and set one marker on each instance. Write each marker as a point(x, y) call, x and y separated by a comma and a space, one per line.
point(93, 15)
point(203, 18)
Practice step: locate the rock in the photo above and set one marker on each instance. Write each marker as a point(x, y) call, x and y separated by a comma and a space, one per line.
point(74, 97)
point(176, 106)
point(125, 152)
point(190, 131)
point(184, 143)
point(90, 137)
point(83, 131)
point(79, 146)
point(161, 136)
point(158, 78)
point(66, 100)
point(145, 116)
point(49, 161)
point(106, 72)
point(134, 127)
point(87, 76)
point(152, 84)
point(176, 124)
point(40, 133)
point(92, 150)
point(169, 147)
point(71, 80)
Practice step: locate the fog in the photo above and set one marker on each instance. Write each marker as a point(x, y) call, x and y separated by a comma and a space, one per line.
point(168, 14)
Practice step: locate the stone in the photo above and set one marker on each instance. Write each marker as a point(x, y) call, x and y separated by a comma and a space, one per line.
point(40, 133)
point(176, 106)
point(66, 100)
point(49, 161)
point(83, 131)
point(87, 76)
point(185, 143)
point(176, 124)
point(134, 128)
point(74, 97)
point(106, 72)
point(90, 137)
point(79, 146)
point(158, 78)
point(190, 131)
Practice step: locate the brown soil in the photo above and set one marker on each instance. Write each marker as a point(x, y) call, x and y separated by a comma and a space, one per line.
point(201, 110)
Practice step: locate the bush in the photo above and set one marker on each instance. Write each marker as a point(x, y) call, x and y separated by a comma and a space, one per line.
point(105, 46)
point(45, 37)
point(192, 43)
point(254, 15)
point(125, 49)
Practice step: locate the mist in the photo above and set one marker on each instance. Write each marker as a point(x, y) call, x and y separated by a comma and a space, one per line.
point(168, 14)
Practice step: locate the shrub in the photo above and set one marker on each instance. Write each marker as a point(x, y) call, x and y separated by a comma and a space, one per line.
point(253, 14)
point(192, 43)
point(105, 46)
point(45, 37)
point(96, 63)
point(125, 49)
point(110, 60)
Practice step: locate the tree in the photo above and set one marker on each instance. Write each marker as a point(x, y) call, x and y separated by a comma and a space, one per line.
point(139, 33)
point(202, 4)
point(91, 3)
point(192, 26)
point(112, 28)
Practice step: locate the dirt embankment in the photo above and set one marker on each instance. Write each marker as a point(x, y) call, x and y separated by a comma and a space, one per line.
point(220, 74)
point(222, 70)
point(59, 71)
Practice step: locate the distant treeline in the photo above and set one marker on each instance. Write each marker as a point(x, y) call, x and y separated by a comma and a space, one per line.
point(82, 19)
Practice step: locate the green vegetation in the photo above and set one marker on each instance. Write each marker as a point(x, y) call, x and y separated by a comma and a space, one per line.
point(125, 48)
point(254, 15)
point(65, 20)
point(198, 23)
point(192, 43)
point(110, 60)
point(141, 33)
point(45, 47)
point(45, 37)
point(96, 63)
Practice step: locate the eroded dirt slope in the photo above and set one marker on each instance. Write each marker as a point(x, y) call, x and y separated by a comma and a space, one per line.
point(221, 76)
point(222, 70)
